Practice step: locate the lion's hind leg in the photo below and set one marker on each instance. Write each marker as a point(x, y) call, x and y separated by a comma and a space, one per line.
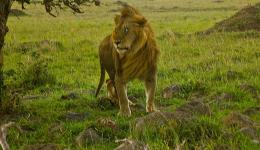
point(111, 92)
point(150, 85)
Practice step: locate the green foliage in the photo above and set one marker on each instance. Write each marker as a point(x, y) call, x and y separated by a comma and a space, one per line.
point(31, 74)
point(11, 102)
point(165, 133)
point(210, 65)
point(199, 132)
point(37, 74)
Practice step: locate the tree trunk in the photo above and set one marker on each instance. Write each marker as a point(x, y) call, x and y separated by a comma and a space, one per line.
point(4, 12)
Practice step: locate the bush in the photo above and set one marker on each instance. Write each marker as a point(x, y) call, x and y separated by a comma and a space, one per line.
point(10, 101)
point(37, 74)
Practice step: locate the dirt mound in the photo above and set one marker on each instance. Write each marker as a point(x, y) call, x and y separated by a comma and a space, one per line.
point(184, 113)
point(236, 119)
point(246, 19)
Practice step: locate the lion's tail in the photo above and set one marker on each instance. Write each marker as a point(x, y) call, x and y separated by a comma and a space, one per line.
point(102, 78)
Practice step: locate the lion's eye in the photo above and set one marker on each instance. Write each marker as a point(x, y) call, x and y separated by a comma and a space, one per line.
point(125, 29)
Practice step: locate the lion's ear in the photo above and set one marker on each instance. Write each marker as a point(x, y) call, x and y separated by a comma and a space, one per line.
point(117, 18)
point(141, 20)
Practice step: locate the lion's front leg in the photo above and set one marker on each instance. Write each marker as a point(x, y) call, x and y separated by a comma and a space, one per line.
point(122, 96)
point(150, 85)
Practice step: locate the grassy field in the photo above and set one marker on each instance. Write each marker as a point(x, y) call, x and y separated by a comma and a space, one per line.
point(217, 63)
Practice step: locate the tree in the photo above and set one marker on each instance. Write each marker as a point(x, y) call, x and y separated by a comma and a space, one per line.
point(5, 6)
point(22, 2)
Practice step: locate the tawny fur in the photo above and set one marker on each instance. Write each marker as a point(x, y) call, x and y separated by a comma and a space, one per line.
point(111, 92)
point(135, 56)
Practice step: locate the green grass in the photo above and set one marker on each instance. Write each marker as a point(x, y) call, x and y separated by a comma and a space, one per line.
point(203, 59)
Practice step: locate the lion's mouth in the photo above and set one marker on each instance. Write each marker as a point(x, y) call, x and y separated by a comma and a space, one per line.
point(122, 48)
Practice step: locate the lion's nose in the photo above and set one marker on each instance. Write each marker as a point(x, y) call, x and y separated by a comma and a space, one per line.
point(117, 42)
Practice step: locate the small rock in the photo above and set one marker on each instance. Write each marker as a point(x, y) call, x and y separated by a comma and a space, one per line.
point(222, 146)
point(132, 98)
point(175, 70)
point(238, 120)
point(32, 97)
point(252, 111)
point(191, 109)
point(121, 3)
point(218, 1)
point(233, 74)
point(155, 119)
point(131, 145)
point(250, 132)
point(183, 113)
point(250, 89)
point(48, 146)
point(70, 96)
point(86, 137)
point(73, 116)
point(180, 146)
point(9, 73)
point(56, 128)
point(105, 104)
point(88, 92)
point(171, 91)
point(97, 2)
point(169, 36)
point(138, 107)
point(199, 95)
point(255, 141)
point(225, 96)
point(28, 128)
point(107, 122)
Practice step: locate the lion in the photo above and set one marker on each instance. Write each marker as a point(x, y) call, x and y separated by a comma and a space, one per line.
point(130, 52)
point(111, 92)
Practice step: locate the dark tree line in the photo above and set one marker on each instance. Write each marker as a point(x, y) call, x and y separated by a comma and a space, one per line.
point(22, 2)
point(50, 5)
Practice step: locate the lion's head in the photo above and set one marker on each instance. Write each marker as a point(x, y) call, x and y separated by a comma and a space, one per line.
point(130, 33)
